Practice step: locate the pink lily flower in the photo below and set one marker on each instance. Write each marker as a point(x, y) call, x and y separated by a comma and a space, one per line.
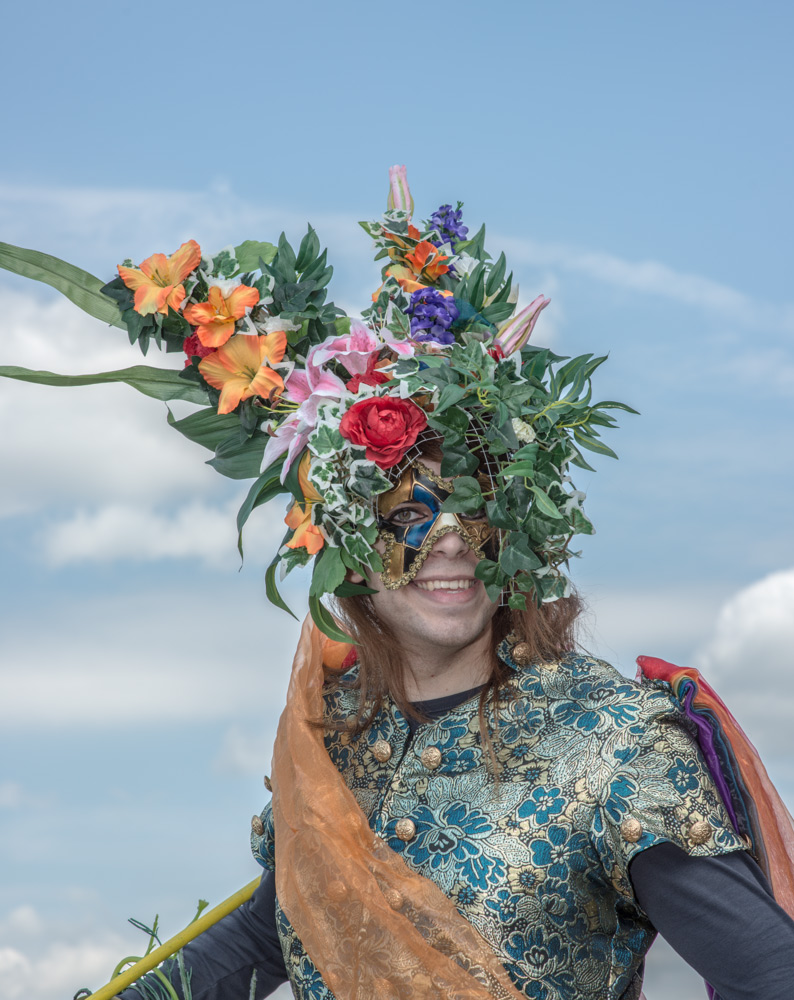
point(309, 387)
point(399, 194)
point(513, 334)
point(352, 351)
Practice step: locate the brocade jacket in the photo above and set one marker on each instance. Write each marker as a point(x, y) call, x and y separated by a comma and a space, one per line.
point(592, 768)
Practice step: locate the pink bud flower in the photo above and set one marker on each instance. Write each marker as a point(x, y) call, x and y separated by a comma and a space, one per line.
point(399, 194)
point(516, 332)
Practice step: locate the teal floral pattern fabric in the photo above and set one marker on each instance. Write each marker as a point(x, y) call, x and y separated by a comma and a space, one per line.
point(591, 769)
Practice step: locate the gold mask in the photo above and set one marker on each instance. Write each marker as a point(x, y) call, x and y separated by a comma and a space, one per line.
point(408, 545)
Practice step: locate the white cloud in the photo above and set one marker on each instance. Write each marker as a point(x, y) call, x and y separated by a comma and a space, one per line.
point(55, 970)
point(153, 658)
point(195, 530)
point(89, 443)
point(749, 656)
point(650, 277)
point(623, 624)
point(245, 751)
point(23, 920)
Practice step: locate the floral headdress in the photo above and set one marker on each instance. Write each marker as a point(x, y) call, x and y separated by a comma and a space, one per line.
point(323, 407)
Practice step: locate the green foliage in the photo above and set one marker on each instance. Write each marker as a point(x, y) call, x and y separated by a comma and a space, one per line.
point(251, 256)
point(77, 285)
point(329, 571)
point(265, 488)
point(160, 383)
point(206, 427)
point(271, 590)
point(325, 621)
point(466, 498)
point(239, 456)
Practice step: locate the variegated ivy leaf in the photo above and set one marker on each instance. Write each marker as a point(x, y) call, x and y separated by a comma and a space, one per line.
point(358, 547)
point(367, 480)
point(326, 441)
point(322, 475)
point(223, 264)
point(265, 285)
point(336, 498)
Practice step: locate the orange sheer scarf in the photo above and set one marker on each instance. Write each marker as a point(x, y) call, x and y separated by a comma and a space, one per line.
point(373, 927)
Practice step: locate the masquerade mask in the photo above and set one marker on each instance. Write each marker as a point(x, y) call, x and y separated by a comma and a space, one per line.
point(410, 522)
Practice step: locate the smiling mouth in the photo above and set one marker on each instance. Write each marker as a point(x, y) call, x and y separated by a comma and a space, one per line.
point(445, 584)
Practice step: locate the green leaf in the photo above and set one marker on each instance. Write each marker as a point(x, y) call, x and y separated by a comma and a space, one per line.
point(308, 250)
point(239, 459)
point(348, 589)
point(499, 513)
point(525, 469)
point(492, 576)
point(545, 504)
point(457, 459)
point(249, 254)
point(610, 404)
point(329, 571)
point(585, 440)
point(450, 394)
point(581, 525)
point(518, 602)
point(453, 419)
point(325, 621)
point(159, 383)
point(271, 590)
point(466, 498)
point(77, 285)
point(517, 555)
point(265, 488)
point(496, 275)
point(327, 441)
point(206, 427)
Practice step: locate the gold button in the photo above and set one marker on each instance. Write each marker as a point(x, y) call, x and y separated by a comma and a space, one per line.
point(521, 653)
point(431, 758)
point(699, 832)
point(381, 751)
point(268, 783)
point(257, 826)
point(394, 898)
point(631, 830)
point(405, 829)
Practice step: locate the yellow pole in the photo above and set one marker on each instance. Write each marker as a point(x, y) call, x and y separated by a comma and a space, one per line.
point(144, 965)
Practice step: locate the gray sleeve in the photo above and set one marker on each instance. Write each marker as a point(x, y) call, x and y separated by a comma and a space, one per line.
point(718, 913)
point(222, 960)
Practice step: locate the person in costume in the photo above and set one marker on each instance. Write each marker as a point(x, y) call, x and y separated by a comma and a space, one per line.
point(464, 804)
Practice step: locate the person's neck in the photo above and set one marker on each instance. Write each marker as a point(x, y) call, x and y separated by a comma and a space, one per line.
point(440, 671)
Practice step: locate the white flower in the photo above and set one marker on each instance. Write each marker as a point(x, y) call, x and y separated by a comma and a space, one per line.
point(464, 264)
point(274, 323)
point(523, 431)
point(226, 285)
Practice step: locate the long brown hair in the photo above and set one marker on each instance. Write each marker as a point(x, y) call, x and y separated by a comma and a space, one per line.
point(546, 632)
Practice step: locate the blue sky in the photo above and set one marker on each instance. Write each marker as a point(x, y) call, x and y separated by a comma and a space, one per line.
point(633, 161)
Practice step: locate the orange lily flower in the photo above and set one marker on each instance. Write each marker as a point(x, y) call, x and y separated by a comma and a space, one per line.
point(305, 534)
point(427, 260)
point(407, 281)
point(158, 282)
point(214, 320)
point(238, 368)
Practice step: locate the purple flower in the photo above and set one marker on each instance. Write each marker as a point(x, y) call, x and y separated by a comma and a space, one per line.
point(447, 221)
point(432, 314)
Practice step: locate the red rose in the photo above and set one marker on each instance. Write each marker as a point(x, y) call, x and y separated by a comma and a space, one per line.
point(193, 348)
point(370, 377)
point(386, 426)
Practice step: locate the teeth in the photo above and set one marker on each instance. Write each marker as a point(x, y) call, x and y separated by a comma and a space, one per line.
point(444, 584)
